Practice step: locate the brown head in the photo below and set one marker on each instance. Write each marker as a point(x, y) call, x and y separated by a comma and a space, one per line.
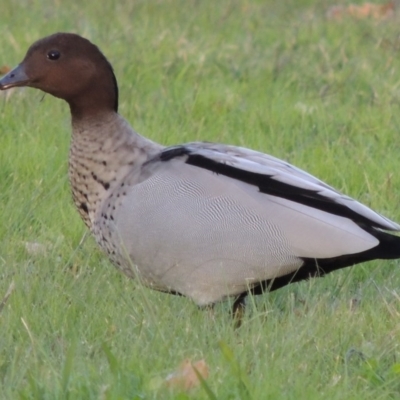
point(71, 68)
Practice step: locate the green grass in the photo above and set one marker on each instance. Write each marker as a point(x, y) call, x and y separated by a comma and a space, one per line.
point(270, 75)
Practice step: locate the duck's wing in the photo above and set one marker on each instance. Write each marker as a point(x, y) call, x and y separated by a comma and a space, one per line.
point(277, 178)
point(209, 221)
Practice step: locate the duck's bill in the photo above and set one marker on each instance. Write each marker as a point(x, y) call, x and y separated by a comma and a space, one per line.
point(16, 77)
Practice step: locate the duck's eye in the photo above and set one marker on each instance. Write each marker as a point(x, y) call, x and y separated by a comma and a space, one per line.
point(53, 55)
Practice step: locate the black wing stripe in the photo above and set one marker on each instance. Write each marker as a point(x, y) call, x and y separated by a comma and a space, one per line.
point(173, 152)
point(268, 185)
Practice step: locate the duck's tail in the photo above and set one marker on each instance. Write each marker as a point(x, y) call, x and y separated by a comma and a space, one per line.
point(387, 249)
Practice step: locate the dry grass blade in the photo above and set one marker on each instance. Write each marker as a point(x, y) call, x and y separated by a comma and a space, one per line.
point(7, 295)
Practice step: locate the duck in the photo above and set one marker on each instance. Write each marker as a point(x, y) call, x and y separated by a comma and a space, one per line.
point(203, 220)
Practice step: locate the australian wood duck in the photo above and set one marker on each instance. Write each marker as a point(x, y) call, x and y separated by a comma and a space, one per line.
point(202, 220)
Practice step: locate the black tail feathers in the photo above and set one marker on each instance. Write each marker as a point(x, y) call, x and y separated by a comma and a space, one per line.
point(387, 249)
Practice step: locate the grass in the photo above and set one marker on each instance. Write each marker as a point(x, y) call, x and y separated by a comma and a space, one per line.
point(270, 75)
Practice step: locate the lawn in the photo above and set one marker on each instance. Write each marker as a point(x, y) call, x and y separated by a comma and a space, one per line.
point(275, 76)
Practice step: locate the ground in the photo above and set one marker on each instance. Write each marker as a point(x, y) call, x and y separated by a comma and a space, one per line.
point(287, 78)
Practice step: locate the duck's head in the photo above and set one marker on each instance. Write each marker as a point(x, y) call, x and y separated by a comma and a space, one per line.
point(70, 67)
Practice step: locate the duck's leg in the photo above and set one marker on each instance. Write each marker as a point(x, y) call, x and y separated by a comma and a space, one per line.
point(238, 309)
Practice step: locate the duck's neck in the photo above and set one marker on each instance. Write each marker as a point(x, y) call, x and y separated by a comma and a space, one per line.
point(98, 97)
point(104, 150)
